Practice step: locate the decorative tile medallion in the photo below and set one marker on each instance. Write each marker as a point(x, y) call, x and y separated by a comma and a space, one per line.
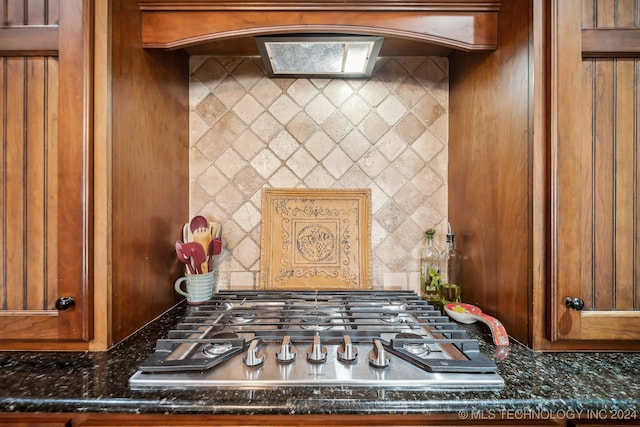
point(315, 238)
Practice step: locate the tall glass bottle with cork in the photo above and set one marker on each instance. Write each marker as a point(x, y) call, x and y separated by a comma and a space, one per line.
point(451, 288)
point(430, 269)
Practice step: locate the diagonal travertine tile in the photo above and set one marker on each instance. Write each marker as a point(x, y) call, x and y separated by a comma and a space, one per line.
point(390, 216)
point(338, 91)
point(374, 92)
point(391, 180)
point(266, 127)
point(391, 110)
point(302, 91)
point(266, 92)
point(284, 178)
point(373, 162)
point(248, 73)
point(410, 128)
point(229, 92)
point(373, 127)
point(265, 163)
point(229, 199)
point(284, 109)
point(301, 126)
point(247, 216)
point(337, 126)
point(230, 163)
point(319, 109)
point(247, 181)
point(283, 145)
point(408, 164)
point(355, 109)
point(355, 144)
point(319, 178)
point(248, 109)
point(388, 133)
point(301, 163)
point(248, 145)
point(409, 198)
point(209, 71)
point(337, 162)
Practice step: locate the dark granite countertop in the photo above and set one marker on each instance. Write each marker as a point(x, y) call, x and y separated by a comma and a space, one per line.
point(599, 385)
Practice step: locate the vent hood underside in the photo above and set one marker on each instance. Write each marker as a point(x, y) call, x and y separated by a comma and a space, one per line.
point(194, 24)
point(319, 55)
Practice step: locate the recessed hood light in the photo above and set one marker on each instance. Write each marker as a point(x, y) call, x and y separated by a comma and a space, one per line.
point(319, 55)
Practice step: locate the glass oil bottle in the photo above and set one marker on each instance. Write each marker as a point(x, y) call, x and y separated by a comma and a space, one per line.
point(430, 269)
point(451, 288)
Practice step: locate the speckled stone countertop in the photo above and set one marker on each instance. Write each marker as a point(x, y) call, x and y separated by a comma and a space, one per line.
point(536, 384)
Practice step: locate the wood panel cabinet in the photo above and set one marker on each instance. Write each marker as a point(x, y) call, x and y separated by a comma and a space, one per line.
point(553, 189)
point(94, 174)
point(125, 420)
point(27, 420)
point(45, 76)
point(594, 175)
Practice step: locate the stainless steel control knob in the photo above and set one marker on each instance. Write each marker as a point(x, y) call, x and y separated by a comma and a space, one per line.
point(287, 351)
point(378, 357)
point(347, 352)
point(316, 353)
point(254, 356)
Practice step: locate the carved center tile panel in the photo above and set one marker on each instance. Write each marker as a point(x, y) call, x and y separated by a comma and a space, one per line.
point(315, 239)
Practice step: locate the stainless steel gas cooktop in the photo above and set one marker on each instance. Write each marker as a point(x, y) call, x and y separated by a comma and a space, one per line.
point(268, 339)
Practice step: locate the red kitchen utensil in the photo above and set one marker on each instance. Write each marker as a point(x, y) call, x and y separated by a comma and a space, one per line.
point(195, 251)
point(216, 245)
point(467, 313)
point(197, 222)
point(184, 258)
point(215, 248)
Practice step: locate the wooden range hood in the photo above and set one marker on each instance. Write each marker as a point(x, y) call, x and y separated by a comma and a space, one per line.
point(420, 27)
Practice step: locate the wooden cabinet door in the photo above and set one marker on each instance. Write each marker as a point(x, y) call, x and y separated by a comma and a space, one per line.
point(45, 201)
point(595, 171)
point(309, 420)
point(35, 420)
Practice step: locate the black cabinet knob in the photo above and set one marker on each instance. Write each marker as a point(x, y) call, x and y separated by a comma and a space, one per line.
point(64, 303)
point(574, 303)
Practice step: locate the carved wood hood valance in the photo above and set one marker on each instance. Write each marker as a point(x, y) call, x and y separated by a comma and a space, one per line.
point(465, 25)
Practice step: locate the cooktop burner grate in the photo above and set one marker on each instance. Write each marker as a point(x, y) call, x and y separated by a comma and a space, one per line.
point(267, 339)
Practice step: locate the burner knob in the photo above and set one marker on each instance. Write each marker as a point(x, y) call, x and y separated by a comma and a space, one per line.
point(347, 352)
point(287, 352)
point(378, 356)
point(254, 356)
point(316, 353)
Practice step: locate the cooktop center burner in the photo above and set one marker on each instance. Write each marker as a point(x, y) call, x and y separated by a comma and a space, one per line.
point(242, 317)
point(317, 320)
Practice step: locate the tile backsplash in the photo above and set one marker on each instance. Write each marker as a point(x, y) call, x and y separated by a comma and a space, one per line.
point(388, 133)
